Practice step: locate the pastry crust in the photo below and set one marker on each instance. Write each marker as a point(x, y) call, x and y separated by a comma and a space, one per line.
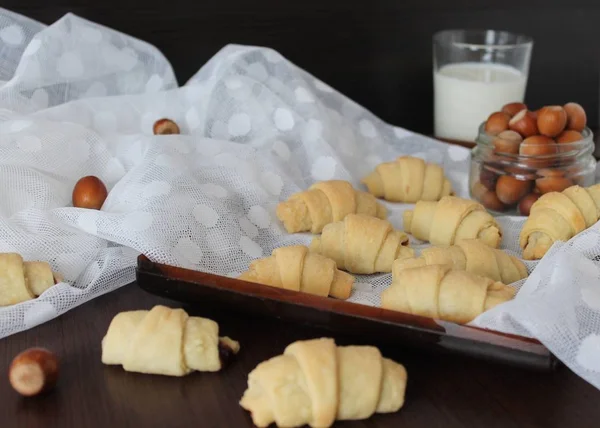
point(451, 220)
point(315, 383)
point(362, 244)
point(21, 281)
point(164, 341)
point(295, 268)
point(437, 291)
point(326, 202)
point(408, 179)
point(471, 255)
point(558, 216)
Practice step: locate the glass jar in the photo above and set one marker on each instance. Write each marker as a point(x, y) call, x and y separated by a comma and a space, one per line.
point(507, 182)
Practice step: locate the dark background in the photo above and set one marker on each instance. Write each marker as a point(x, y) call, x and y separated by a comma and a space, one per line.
point(377, 52)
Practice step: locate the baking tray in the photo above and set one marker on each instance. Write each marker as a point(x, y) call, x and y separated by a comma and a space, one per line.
point(379, 325)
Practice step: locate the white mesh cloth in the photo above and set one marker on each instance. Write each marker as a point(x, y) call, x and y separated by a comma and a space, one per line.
point(80, 99)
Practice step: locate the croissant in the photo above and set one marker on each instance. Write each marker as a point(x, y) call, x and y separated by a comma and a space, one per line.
point(450, 220)
point(295, 268)
point(362, 244)
point(21, 281)
point(326, 202)
point(558, 216)
point(165, 341)
point(473, 256)
point(436, 291)
point(314, 382)
point(408, 179)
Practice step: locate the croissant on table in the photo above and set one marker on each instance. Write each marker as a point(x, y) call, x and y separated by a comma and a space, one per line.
point(450, 220)
point(21, 280)
point(295, 268)
point(316, 382)
point(362, 244)
point(473, 256)
point(437, 291)
point(408, 179)
point(558, 216)
point(325, 202)
point(165, 341)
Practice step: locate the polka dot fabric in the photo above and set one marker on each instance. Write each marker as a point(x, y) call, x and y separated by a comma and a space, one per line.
point(80, 99)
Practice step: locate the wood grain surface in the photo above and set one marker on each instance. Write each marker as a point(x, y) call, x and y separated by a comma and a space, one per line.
point(443, 392)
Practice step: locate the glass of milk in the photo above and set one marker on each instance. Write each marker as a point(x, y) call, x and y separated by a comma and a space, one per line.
point(476, 72)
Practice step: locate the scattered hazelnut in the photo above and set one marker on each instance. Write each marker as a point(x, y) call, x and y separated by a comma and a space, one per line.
point(523, 123)
point(527, 202)
point(165, 127)
point(510, 189)
point(552, 184)
point(513, 108)
point(552, 120)
point(89, 192)
point(33, 371)
point(576, 117)
point(488, 178)
point(508, 142)
point(491, 201)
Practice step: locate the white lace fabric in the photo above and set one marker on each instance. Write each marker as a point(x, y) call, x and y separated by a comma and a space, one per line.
point(77, 99)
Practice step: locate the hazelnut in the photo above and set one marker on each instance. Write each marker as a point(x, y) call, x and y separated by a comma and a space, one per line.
point(491, 201)
point(552, 120)
point(488, 178)
point(165, 127)
point(538, 145)
point(496, 123)
point(523, 123)
point(534, 114)
point(513, 108)
point(551, 172)
point(569, 136)
point(576, 117)
point(89, 192)
point(552, 184)
point(507, 142)
point(527, 202)
point(510, 189)
point(33, 371)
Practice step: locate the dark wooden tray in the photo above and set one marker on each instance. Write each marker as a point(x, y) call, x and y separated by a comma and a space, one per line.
point(377, 324)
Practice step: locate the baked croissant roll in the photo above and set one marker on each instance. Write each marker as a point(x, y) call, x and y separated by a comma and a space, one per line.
point(21, 280)
point(316, 382)
point(408, 179)
point(325, 202)
point(295, 268)
point(558, 216)
point(473, 256)
point(165, 341)
point(436, 291)
point(362, 244)
point(450, 220)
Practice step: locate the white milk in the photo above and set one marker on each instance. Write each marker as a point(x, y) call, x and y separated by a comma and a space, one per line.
point(465, 94)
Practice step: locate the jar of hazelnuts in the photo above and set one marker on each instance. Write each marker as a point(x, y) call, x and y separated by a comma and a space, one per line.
point(522, 154)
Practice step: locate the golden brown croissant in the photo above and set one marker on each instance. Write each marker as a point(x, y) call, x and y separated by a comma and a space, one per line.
point(436, 291)
point(294, 268)
point(362, 244)
point(473, 256)
point(324, 203)
point(165, 341)
point(21, 280)
point(558, 216)
point(408, 179)
point(450, 220)
point(316, 382)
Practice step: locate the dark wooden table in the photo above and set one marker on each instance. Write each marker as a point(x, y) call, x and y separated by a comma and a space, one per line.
point(443, 391)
